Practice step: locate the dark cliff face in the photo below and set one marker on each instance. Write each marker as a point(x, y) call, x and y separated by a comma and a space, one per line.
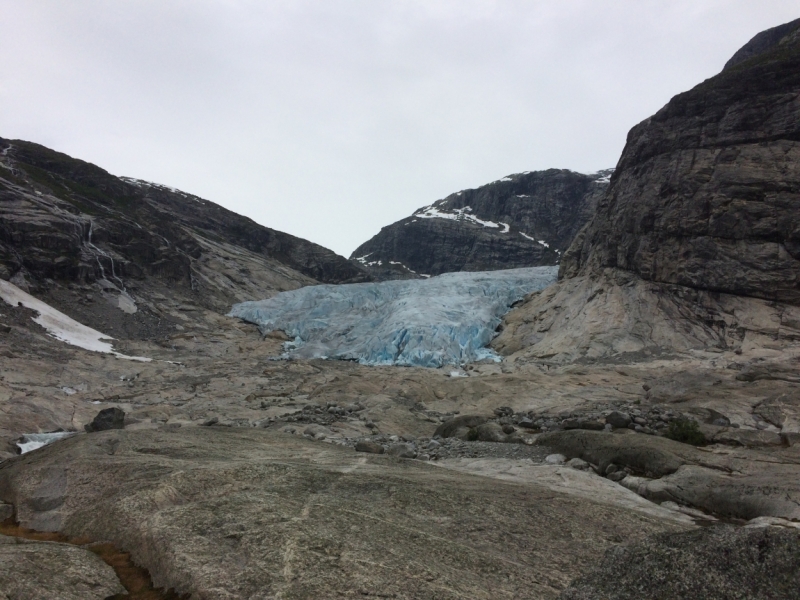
point(762, 42)
point(150, 226)
point(707, 191)
point(522, 220)
point(65, 222)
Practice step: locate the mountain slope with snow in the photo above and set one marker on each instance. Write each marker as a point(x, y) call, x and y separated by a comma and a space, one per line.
point(118, 254)
point(521, 220)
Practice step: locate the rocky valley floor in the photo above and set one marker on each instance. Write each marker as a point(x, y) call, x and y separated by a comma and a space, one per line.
point(241, 476)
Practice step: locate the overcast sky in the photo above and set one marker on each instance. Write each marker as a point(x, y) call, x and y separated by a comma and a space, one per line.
point(329, 119)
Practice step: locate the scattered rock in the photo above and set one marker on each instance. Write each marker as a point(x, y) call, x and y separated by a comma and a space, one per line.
point(402, 451)
point(318, 432)
point(458, 425)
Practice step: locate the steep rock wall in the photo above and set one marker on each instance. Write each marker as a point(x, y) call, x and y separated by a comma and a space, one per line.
point(696, 244)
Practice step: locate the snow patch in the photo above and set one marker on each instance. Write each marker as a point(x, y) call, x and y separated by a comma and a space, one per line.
point(448, 319)
point(33, 441)
point(59, 325)
point(394, 262)
point(458, 214)
point(149, 184)
point(603, 176)
point(526, 236)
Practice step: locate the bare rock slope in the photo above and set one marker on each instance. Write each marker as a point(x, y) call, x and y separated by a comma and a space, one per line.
point(69, 229)
point(523, 220)
point(697, 241)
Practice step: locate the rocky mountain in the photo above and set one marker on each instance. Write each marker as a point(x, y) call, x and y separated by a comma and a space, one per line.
point(568, 470)
point(521, 220)
point(697, 241)
point(85, 240)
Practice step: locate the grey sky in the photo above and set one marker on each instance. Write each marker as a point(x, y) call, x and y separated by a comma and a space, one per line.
point(329, 119)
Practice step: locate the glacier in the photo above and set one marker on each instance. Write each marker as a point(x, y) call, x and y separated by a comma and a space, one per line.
point(448, 319)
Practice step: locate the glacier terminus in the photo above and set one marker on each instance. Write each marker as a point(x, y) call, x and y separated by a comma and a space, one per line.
point(448, 319)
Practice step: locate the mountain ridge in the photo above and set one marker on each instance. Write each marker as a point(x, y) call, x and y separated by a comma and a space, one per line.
point(68, 228)
point(521, 220)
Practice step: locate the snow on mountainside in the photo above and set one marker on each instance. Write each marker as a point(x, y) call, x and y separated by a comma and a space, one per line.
point(449, 319)
point(112, 252)
point(522, 220)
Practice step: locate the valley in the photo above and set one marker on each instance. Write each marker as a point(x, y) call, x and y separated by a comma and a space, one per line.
point(627, 428)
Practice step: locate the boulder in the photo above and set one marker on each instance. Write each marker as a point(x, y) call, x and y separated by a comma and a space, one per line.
point(491, 432)
point(369, 447)
point(579, 464)
point(618, 419)
point(108, 418)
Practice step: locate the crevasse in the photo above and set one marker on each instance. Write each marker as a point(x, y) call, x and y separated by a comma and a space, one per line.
point(449, 319)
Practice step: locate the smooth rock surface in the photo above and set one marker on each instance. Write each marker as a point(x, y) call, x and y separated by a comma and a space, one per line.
point(33, 570)
point(240, 512)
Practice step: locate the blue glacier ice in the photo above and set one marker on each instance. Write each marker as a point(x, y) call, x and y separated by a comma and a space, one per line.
point(449, 319)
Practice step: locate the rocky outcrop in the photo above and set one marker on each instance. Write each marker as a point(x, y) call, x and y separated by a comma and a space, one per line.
point(710, 563)
point(50, 570)
point(523, 220)
point(764, 41)
point(64, 221)
point(707, 191)
point(698, 236)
